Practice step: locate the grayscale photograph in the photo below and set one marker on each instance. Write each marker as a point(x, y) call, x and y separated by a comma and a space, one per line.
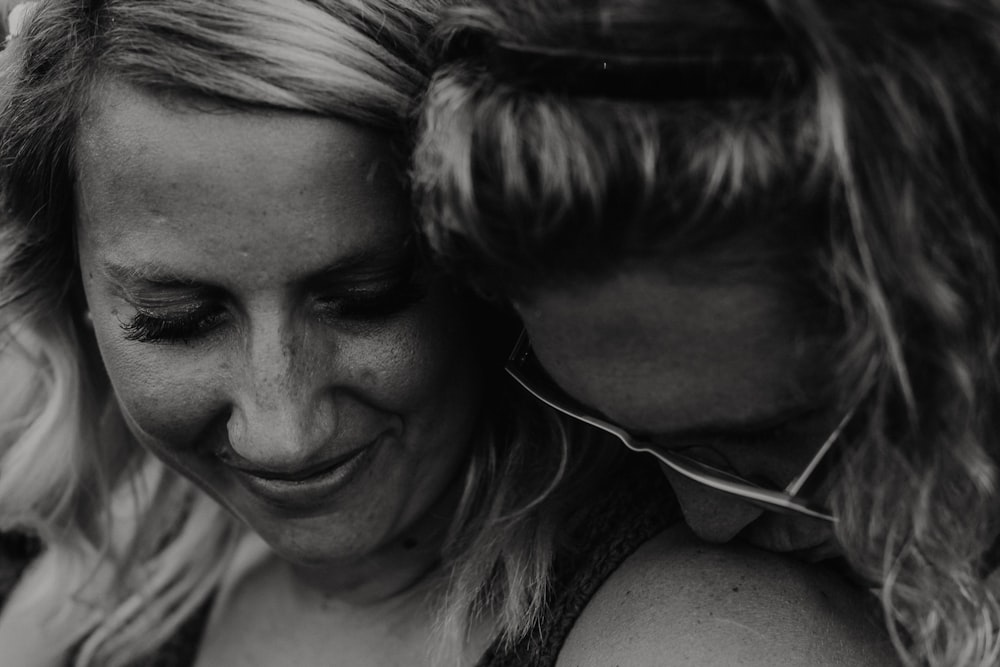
point(499, 333)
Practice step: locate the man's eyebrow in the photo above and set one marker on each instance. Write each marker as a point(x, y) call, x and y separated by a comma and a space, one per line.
point(722, 428)
point(718, 427)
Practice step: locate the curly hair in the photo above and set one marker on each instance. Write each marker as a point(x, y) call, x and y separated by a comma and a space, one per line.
point(873, 172)
point(131, 548)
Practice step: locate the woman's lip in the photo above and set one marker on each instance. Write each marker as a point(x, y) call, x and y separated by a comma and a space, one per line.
point(300, 474)
point(303, 493)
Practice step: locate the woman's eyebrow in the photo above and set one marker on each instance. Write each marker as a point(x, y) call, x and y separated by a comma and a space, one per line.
point(394, 259)
point(372, 259)
point(152, 274)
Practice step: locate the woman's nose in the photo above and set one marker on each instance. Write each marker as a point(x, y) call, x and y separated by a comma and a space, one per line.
point(283, 400)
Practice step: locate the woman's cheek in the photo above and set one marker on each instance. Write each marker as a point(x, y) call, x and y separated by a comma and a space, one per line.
point(168, 398)
point(444, 352)
point(415, 359)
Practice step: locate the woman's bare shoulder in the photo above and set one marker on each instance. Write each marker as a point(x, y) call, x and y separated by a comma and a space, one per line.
point(678, 602)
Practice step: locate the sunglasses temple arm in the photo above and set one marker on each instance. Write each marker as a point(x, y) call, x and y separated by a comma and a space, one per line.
point(741, 490)
point(796, 484)
point(771, 499)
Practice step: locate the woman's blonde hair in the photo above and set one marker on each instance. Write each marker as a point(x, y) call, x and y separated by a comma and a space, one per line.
point(871, 170)
point(131, 548)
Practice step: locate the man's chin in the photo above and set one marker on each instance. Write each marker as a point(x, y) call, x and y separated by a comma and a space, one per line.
point(719, 530)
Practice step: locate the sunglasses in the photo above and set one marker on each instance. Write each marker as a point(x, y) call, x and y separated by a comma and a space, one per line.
point(524, 367)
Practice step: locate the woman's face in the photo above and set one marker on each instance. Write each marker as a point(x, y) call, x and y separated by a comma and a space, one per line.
point(709, 358)
point(264, 321)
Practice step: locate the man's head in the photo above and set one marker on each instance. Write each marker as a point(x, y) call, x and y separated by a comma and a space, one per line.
point(738, 221)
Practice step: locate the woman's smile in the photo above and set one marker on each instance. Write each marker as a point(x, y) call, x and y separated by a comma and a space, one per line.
point(305, 490)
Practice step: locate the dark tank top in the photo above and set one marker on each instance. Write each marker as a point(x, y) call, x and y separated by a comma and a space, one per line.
point(633, 510)
point(623, 516)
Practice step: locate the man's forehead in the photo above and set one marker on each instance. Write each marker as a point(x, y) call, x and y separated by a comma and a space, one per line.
point(638, 343)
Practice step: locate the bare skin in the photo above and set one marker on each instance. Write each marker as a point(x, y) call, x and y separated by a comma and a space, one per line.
point(678, 602)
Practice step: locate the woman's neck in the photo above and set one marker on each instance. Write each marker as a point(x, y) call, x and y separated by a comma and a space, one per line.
point(375, 610)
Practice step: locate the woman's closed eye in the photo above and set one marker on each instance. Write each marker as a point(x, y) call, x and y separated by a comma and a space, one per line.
point(175, 325)
point(366, 303)
point(355, 303)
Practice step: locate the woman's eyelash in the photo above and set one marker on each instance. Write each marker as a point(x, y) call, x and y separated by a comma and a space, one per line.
point(146, 327)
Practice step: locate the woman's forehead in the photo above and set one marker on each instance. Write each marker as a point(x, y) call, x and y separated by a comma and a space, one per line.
point(208, 191)
point(129, 125)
